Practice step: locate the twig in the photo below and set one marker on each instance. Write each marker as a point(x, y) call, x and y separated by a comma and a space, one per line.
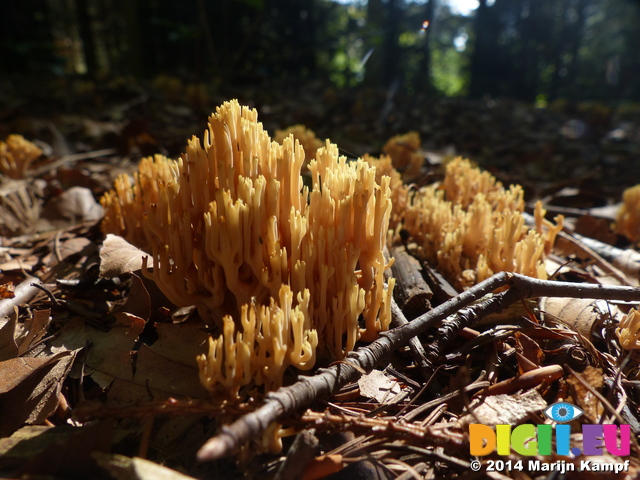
point(407, 276)
point(451, 326)
point(416, 412)
point(76, 157)
point(411, 291)
point(417, 350)
point(626, 260)
point(300, 454)
point(287, 400)
point(586, 246)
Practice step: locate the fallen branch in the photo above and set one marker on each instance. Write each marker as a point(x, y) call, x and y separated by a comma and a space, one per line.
point(76, 157)
point(327, 381)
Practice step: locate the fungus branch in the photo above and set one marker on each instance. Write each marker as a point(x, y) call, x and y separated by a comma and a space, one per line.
point(287, 400)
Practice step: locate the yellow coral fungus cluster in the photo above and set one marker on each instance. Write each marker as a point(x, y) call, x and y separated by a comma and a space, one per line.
point(399, 190)
point(305, 136)
point(403, 150)
point(628, 331)
point(628, 221)
point(261, 351)
point(471, 227)
point(129, 201)
point(16, 155)
point(230, 223)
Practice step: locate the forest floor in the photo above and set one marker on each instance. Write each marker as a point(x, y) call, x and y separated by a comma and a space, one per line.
point(57, 420)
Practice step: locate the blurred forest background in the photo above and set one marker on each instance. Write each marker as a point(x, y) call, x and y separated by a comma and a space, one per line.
point(356, 71)
point(531, 50)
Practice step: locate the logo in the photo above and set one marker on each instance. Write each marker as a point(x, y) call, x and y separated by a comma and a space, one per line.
point(529, 440)
point(562, 412)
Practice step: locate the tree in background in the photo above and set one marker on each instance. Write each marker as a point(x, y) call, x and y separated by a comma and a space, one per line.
point(531, 50)
point(547, 49)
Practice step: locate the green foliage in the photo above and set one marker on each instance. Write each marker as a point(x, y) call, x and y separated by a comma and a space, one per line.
point(448, 67)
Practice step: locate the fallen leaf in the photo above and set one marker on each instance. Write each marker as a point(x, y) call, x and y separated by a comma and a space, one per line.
point(76, 204)
point(181, 342)
point(117, 256)
point(35, 330)
point(125, 468)
point(139, 301)
point(111, 364)
point(378, 386)
point(582, 315)
point(8, 344)
point(108, 353)
point(29, 388)
point(54, 452)
point(168, 376)
point(6, 291)
point(505, 409)
point(529, 353)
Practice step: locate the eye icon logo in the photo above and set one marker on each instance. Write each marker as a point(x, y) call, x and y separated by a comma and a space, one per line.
point(563, 412)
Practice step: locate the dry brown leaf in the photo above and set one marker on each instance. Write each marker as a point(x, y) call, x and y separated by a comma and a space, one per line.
point(378, 386)
point(117, 256)
point(109, 358)
point(76, 205)
point(505, 409)
point(35, 330)
point(597, 228)
point(54, 452)
point(582, 315)
point(629, 263)
point(29, 388)
point(168, 376)
point(108, 353)
point(68, 253)
point(530, 355)
point(138, 302)
point(125, 468)
point(8, 335)
point(6, 291)
point(181, 342)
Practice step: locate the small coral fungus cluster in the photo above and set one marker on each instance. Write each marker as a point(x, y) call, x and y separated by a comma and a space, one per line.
point(16, 155)
point(471, 227)
point(281, 270)
point(628, 221)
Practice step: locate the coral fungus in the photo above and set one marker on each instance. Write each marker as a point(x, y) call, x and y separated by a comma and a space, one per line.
point(403, 150)
point(230, 223)
point(471, 227)
point(305, 136)
point(628, 331)
point(628, 221)
point(16, 155)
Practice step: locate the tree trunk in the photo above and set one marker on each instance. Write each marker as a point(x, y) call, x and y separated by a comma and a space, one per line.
point(423, 79)
point(479, 71)
point(85, 30)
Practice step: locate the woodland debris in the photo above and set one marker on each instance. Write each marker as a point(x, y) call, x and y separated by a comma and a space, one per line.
point(22, 294)
point(19, 207)
point(287, 400)
point(412, 292)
